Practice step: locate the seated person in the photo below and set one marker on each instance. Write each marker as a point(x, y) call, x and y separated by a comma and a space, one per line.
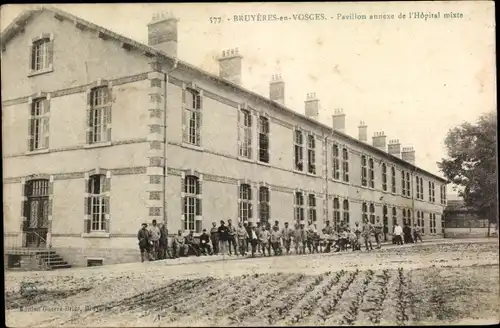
point(204, 243)
point(191, 243)
point(344, 239)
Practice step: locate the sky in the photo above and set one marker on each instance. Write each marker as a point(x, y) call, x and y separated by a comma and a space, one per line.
point(414, 79)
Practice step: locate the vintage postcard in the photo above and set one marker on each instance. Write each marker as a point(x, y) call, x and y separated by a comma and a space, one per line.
point(250, 164)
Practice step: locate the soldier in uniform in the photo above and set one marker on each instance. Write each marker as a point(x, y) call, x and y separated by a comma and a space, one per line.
point(328, 231)
point(377, 230)
point(286, 236)
point(367, 234)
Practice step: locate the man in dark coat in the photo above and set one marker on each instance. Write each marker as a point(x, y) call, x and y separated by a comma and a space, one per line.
point(214, 237)
point(164, 251)
point(144, 246)
point(204, 243)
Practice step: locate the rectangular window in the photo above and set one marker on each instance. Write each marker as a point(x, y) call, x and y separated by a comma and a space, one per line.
point(192, 203)
point(346, 213)
point(443, 194)
point(336, 212)
point(345, 164)
point(311, 154)
point(192, 117)
point(40, 54)
point(394, 217)
point(39, 125)
point(408, 184)
point(264, 139)
point(245, 134)
point(393, 180)
point(384, 177)
point(312, 207)
point(430, 191)
point(100, 115)
point(372, 213)
point(433, 193)
point(98, 205)
point(364, 211)
point(245, 202)
point(364, 171)
point(264, 207)
point(299, 206)
point(403, 183)
point(336, 162)
point(372, 173)
point(417, 180)
point(299, 155)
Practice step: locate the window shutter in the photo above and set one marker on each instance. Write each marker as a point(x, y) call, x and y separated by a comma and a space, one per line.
point(46, 121)
point(198, 206)
point(105, 201)
point(31, 64)
point(183, 195)
point(185, 131)
point(199, 118)
point(250, 211)
point(109, 111)
point(107, 182)
point(89, 117)
point(30, 133)
point(50, 52)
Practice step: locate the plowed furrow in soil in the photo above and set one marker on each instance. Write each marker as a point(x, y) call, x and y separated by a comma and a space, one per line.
point(248, 286)
point(290, 306)
point(29, 299)
point(237, 295)
point(344, 299)
point(352, 313)
point(389, 314)
point(403, 305)
point(327, 300)
point(266, 301)
point(306, 305)
point(371, 308)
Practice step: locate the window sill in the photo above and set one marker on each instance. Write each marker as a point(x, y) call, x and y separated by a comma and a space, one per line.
point(96, 235)
point(193, 147)
point(311, 174)
point(41, 71)
point(263, 163)
point(97, 145)
point(246, 159)
point(298, 171)
point(38, 151)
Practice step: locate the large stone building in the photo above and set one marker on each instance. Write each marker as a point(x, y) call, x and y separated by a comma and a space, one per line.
point(102, 133)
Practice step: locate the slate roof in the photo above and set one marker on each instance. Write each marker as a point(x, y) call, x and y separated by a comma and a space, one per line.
point(18, 25)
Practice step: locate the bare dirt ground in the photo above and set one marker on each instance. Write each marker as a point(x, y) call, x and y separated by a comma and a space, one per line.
point(451, 282)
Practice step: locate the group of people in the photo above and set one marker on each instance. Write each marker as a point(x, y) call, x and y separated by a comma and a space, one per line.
point(251, 239)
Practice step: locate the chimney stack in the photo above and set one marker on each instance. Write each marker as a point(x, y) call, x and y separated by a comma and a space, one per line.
point(338, 120)
point(277, 89)
point(162, 33)
point(230, 65)
point(379, 140)
point(312, 106)
point(363, 131)
point(394, 148)
point(408, 155)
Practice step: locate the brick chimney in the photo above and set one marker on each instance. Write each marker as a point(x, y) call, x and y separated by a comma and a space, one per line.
point(230, 65)
point(363, 131)
point(394, 148)
point(408, 155)
point(162, 33)
point(277, 89)
point(312, 106)
point(338, 120)
point(379, 140)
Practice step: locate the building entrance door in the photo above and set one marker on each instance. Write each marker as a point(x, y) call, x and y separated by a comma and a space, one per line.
point(37, 213)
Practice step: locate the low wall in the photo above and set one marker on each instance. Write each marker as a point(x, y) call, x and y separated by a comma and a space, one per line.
point(467, 232)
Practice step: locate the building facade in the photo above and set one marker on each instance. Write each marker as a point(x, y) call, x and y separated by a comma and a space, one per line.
point(120, 133)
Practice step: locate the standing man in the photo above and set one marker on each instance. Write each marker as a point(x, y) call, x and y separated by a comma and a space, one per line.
point(398, 231)
point(154, 234)
point(242, 234)
point(214, 237)
point(275, 240)
point(367, 234)
point(143, 236)
point(417, 234)
point(260, 228)
point(248, 243)
point(378, 232)
point(328, 232)
point(232, 237)
point(223, 237)
point(254, 239)
point(407, 234)
point(286, 235)
point(264, 241)
point(164, 251)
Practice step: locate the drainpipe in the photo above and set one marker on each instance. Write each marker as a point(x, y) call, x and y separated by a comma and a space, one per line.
point(326, 176)
point(412, 200)
point(167, 74)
